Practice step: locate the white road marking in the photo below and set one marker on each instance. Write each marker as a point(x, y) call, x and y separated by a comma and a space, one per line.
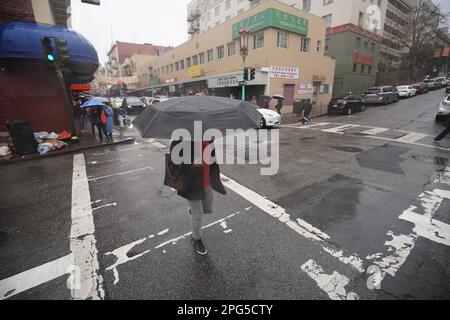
point(443, 177)
point(411, 137)
point(374, 131)
point(34, 277)
point(320, 124)
point(163, 232)
point(333, 285)
point(82, 237)
point(94, 179)
point(341, 129)
point(114, 204)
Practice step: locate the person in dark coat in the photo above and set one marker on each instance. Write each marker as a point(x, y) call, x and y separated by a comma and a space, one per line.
point(97, 121)
point(199, 181)
point(279, 105)
point(307, 108)
point(446, 130)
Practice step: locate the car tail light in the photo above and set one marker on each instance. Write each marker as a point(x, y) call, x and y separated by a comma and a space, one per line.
point(345, 102)
point(379, 94)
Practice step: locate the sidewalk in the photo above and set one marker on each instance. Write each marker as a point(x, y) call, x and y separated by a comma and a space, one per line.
point(87, 141)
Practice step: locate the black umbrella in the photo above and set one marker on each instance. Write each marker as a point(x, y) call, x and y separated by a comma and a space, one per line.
point(160, 120)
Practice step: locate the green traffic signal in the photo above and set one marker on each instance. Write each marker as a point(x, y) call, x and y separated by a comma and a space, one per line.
point(50, 57)
point(48, 49)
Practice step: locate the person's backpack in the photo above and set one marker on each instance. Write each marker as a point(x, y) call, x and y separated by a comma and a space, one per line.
point(103, 117)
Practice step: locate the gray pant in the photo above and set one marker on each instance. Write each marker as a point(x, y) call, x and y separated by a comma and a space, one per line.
point(198, 208)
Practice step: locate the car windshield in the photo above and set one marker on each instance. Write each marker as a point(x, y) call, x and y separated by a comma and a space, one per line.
point(373, 90)
point(428, 81)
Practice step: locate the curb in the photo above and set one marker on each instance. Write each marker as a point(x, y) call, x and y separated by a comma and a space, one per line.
point(56, 154)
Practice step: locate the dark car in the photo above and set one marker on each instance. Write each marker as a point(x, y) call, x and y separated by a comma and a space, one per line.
point(421, 88)
point(381, 95)
point(133, 105)
point(447, 89)
point(346, 105)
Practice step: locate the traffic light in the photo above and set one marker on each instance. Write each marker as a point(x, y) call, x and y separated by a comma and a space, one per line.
point(245, 74)
point(49, 51)
point(252, 73)
point(63, 53)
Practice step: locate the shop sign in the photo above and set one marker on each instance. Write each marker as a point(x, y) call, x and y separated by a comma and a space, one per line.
point(272, 18)
point(80, 87)
point(284, 72)
point(230, 80)
point(195, 71)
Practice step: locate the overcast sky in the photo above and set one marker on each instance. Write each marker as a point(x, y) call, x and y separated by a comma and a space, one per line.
point(160, 22)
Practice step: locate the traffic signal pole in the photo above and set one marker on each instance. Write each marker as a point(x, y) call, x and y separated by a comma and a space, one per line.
point(68, 106)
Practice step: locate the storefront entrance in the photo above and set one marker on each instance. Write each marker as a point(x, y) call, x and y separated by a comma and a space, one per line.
point(288, 94)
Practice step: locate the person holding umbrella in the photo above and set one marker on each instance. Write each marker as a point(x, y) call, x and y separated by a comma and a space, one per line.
point(98, 117)
point(279, 105)
point(195, 176)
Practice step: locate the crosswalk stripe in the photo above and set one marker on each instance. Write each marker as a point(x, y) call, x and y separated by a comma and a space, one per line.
point(374, 131)
point(340, 129)
point(320, 124)
point(412, 137)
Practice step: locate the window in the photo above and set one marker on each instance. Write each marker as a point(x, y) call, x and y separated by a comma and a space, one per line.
point(167, 69)
point(324, 89)
point(366, 47)
point(177, 66)
point(217, 11)
point(194, 60)
point(306, 5)
point(227, 5)
point(319, 45)
point(208, 16)
point(355, 66)
point(210, 54)
point(363, 68)
point(304, 45)
point(327, 19)
point(188, 62)
point(372, 49)
point(201, 58)
point(361, 19)
point(220, 52)
point(258, 40)
point(231, 48)
point(357, 43)
point(325, 2)
point(327, 43)
point(369, 70)
point(182, 64)
point(282, 39)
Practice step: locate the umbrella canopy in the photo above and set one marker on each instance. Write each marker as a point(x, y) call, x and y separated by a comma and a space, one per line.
point(278, 96)
point(101, 99)
point(92, 103)
point(160, 120)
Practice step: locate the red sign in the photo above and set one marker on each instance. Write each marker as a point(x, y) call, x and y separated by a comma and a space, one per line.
point(80, 87)
point(362, 59)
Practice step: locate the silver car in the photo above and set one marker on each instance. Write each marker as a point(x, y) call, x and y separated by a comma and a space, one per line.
point(380, 95)
point(444, 109)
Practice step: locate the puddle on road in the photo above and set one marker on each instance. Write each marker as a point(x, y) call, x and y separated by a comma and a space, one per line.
point(385, 158)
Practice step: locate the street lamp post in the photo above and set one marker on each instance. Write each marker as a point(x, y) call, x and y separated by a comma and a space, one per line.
point(244, 34)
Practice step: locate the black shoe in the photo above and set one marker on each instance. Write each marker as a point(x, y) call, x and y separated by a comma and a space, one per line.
point(199, 247)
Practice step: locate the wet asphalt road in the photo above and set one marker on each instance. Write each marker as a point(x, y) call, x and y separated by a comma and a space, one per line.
point(347, 196)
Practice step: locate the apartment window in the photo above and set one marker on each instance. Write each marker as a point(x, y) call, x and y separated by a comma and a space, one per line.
point(220, 52)
point(366, 47)
point(357, 43)
point(201, 58)
point(194, 60)
point(306, 5)
point(324, 89)
point(227, 5)
point(369, 70)
point(363, 68)
point(304, 45)
point(319, 45)
point(258, 40)
point(325, 2)
point(327, 19)
point(210, 54)
point(361, 19)
point(182, 64)
point(167, 69)
point(327, 43)
point(355, 66)
point(231, 48)
point(188, 62)
point(217, 11)
point(282, 39)
point(177, 66)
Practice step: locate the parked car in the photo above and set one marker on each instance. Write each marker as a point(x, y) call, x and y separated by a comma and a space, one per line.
point(444, 108)
point(346, 105)
point(432, 84)
point(447, 80)
point(447, 89)
point(406, 91)
point(441, 81)
point(380, 95)
point(269, 119)
point(134, 105)
point(421, 88)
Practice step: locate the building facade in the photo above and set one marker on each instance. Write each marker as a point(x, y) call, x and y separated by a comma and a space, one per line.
point(286, 48)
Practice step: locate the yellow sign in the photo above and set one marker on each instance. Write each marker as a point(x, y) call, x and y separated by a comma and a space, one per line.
point(195, 71)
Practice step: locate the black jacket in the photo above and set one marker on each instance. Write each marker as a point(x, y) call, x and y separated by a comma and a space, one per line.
point(193, 176)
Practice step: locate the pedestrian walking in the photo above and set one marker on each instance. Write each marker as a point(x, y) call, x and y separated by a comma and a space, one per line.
point(446, 130)
point(199, 181)
point(306, 114)
point(109, 121)
point(279, 105)
point(267, 102)
point(99, 119)
point(80, 115)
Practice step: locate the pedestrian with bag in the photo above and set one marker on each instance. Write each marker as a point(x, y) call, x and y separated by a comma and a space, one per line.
point(195, 183)
point(99, 119)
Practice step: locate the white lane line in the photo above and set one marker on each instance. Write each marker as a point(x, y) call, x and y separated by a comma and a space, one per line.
point(300, 226)
point(332, 284)
point(114, 204)
point(341, 129)
point(315, 125)
point(374, 131)
point(94, 179)
point(411, 137)
point(82, 235)
point(34, 277)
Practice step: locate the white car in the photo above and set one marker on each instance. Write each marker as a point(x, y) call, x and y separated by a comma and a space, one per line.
point(406, 91)
point(444, 108)
point(270, 118)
